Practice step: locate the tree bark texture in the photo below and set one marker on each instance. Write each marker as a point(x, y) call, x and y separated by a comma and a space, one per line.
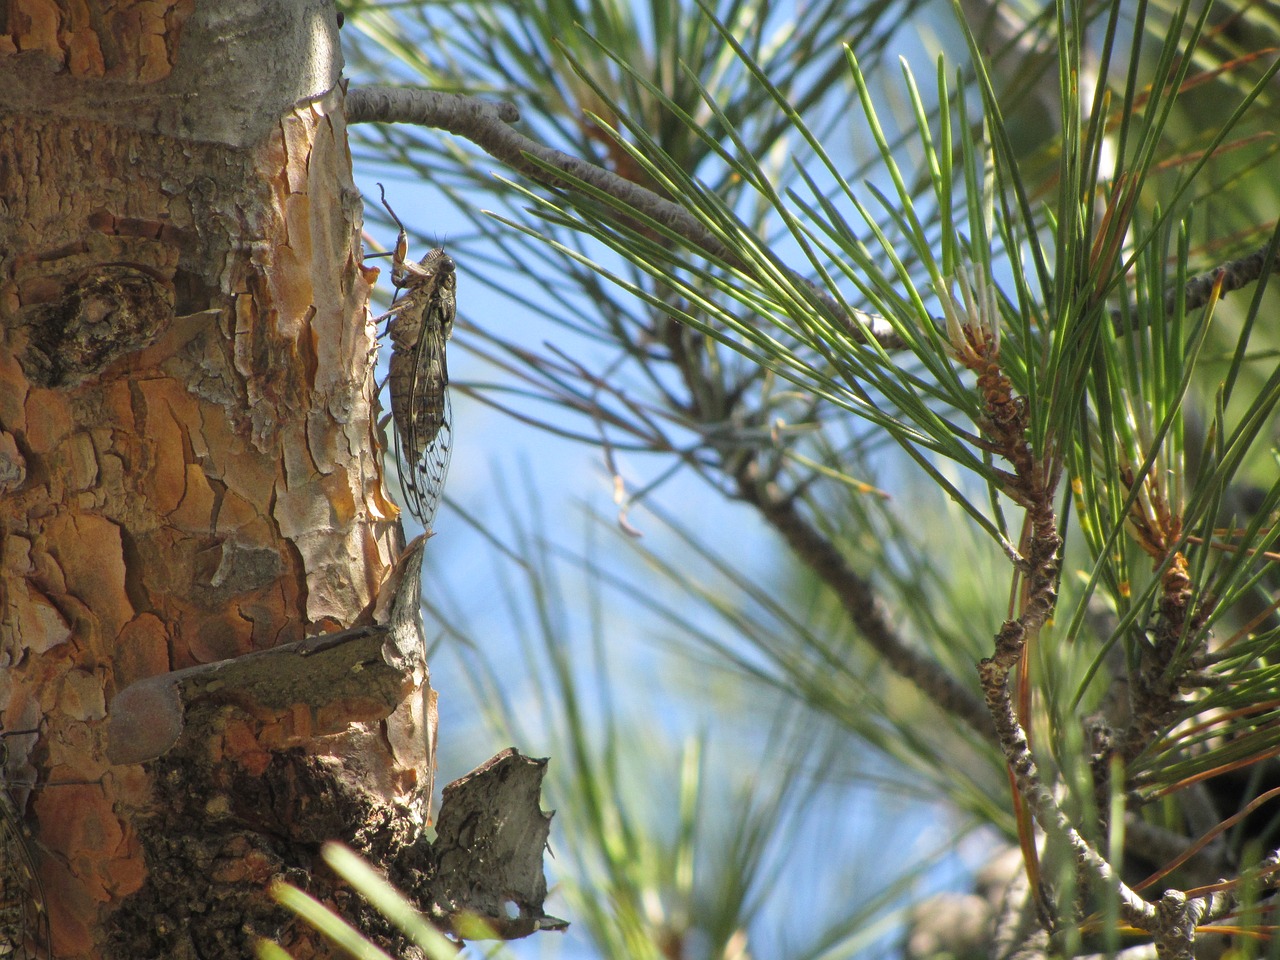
point(189, 473)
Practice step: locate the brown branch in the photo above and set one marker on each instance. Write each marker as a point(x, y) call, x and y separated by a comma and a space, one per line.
point(1171, 922)
point(863, 606)
point(1005, 425)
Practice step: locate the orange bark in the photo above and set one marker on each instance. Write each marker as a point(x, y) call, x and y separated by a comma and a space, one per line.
point(189, 470)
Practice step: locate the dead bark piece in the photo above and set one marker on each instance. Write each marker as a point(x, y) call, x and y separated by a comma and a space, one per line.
point(353, 676)
point(488, 851)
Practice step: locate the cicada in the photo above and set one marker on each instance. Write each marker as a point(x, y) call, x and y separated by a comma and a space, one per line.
point(420, 323)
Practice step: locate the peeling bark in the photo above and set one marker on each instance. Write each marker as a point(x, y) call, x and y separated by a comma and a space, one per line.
point(193, 528)
point(488, 852)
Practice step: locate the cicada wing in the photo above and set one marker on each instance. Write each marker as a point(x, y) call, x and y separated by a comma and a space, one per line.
point(424, 422)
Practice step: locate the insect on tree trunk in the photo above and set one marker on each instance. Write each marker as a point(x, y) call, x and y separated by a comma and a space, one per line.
point(200, 615)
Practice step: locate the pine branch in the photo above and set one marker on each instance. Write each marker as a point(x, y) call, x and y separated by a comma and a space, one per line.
point(487, 125)
point(1235, 274)
point(1172, 922)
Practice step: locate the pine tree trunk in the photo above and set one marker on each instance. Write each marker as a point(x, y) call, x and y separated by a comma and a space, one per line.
point(189, 473)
